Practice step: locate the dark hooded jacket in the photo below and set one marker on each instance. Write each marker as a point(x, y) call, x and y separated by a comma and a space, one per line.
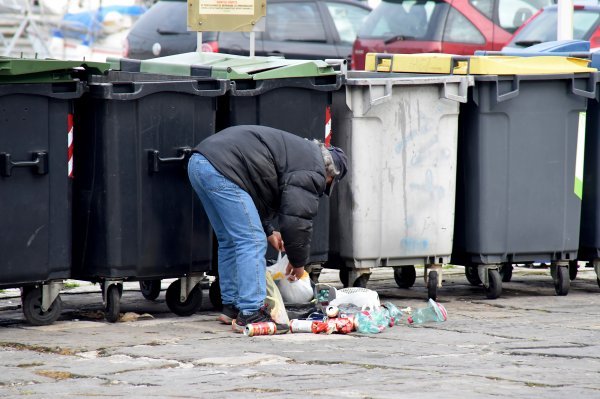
point(283, 173)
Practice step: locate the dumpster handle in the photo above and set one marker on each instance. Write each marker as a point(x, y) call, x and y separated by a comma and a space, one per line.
point(387, 94)
point(454, 61)
point(154, 159)
point(135, 90)
point(508, 95)
point(380, 57)
point(591, 87)
point(39, 163)
point(263, 86)
point(461, 97)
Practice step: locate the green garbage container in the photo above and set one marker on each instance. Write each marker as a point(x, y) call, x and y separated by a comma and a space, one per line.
point(292, 95)
point(36, 171)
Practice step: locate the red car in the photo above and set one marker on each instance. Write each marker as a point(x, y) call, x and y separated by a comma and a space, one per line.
point(441, 26)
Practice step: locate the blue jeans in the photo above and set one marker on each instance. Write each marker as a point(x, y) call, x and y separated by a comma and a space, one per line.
point(239, 231)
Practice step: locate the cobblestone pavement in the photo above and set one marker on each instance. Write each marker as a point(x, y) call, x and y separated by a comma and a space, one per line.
point(529, 343)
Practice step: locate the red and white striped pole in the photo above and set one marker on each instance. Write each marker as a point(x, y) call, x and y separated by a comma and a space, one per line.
point(327, 126)
point(70, 145)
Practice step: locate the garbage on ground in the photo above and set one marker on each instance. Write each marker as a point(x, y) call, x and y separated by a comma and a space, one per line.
point(264, 328)
point(132, 316)
point(434, 312)
point(328, 295)
point(343, 311)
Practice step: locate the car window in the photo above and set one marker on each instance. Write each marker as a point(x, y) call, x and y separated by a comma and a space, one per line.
point(460, 30)
point(404, 20)
point(295, 22)
point(543, 27)
point(513, 13)
point(347, 19)
point(485, 6)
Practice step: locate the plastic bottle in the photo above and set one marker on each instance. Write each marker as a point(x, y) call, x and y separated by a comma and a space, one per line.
point(433, 312)
point(394, 313)
point(371, 322)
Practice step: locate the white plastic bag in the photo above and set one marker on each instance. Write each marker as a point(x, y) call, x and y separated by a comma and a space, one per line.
point(298, 291)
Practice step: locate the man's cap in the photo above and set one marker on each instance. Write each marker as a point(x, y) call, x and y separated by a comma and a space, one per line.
point(340, 161)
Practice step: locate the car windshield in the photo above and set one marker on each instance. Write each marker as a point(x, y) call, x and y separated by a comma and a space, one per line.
point(405, 20)
point(543, 27)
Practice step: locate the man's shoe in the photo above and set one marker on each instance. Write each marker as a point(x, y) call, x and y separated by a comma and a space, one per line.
point(228, 314)
point(260, 316)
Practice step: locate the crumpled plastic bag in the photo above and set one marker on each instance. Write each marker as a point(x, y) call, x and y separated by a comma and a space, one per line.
point(274, 302)
point(298, 291)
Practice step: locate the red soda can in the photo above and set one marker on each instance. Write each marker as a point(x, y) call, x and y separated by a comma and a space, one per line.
point(301, 326)
point(263, 328)
point(319, 327)
point(342, 325)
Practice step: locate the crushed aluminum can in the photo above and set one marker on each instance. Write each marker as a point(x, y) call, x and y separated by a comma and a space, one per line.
point(264, 328)
point(301, 326)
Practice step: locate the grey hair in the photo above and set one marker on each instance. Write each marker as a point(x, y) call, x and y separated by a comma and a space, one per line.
point(330, 169)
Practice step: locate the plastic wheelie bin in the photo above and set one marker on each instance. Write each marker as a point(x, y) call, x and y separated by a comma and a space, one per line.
point(521, 141)
point(589, 240)
point(292, 95)
point(396, 206)
point(36, 134)
point(136, 216)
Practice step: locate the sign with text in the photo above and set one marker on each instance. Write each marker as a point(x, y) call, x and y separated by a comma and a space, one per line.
point(226, 15)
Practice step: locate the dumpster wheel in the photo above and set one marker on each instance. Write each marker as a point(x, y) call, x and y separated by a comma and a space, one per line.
point(150, 289)
point(214, 294)
point(405, 276)
point(562, 282)
point(432, 285)
point(189, 306)
point(32, 307)
point(494, 288)
point(472, 275)
point(362, 281)
point(113, 303)
point(573, 269)
point(506, 271)
point(344, 276)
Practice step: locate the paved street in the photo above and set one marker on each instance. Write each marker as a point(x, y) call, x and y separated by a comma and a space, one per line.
point(527, 344)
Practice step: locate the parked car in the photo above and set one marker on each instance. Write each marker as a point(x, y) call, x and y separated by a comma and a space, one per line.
point(542, 27)
point(446, 26)
point(299, 29)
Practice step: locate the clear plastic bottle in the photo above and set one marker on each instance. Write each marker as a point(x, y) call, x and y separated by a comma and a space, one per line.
point(371, 322)
point(394, 313)
point(433, 312)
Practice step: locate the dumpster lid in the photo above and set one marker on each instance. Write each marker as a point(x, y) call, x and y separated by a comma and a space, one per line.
point(476, 65)
point(28, 66)
point(361, 78)
point(225, 66)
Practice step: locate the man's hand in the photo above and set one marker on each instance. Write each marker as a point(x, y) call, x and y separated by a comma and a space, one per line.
point(294, 273)
point(276, 241)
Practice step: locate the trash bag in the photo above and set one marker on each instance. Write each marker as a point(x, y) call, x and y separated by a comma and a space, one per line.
point(298, 291)
point(274, 302)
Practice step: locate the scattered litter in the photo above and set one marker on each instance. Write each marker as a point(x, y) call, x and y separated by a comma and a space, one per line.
point(132, 316)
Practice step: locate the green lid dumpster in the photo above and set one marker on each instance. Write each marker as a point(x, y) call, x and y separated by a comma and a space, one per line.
point(36, 171)
point(136, 215)
point(520, 161)
point(292, 95)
